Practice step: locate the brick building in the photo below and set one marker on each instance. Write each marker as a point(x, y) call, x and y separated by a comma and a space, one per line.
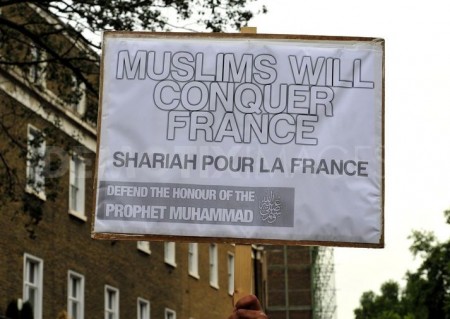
point(299, 282)
point(57, 265)
point(48, 257)
point(47, 156)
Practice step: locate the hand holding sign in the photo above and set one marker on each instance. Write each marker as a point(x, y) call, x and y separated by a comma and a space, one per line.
point(248, 307)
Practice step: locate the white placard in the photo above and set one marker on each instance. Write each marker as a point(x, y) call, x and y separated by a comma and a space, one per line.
point(241, 137)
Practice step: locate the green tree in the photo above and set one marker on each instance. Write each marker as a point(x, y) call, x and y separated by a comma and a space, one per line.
point(388, 305)
point(30, 44)
point(427, 291)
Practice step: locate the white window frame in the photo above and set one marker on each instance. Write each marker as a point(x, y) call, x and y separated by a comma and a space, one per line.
point(213, 266)
point(78, 300)
point(35, 182)
point(77, 185)
point(143, 308)
point(170, 314)
point(113, 309)
point(170, 253)
point(35, 284)
point(230, 262)
point(144, 246)
point(193, 260)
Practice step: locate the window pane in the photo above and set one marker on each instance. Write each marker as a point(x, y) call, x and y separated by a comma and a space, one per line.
point(74, 310)
point(213, 270)
point(73, 197)
point(76, 184)
point(169, 252)
point(32, 296)
point(74, 287)
point(144, 246)
point(170, 314)
point(143, 309)
point(31, 272)
point(193, 258)
point(110, 299)
point(230, 274)
point(33, 284)
point(35, 160)
point(111, 303)
point(75, 294)
point(72, 171)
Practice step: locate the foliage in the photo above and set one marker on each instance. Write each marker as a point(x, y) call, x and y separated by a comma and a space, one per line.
point(385, 306)
point(427, 291)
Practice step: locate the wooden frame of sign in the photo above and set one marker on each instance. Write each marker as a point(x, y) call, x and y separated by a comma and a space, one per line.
point(355, 67)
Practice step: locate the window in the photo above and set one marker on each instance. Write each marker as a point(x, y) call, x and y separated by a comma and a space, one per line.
point(169, 253)
point(143, 309)
point(193, 260)
point(111, 303)
point(33, 273)
point(75, 295)
point(170, 314)
point(35, 162)
point(79, 96)
point(77, 186)
point(36, 70)
point(230, 273)
point(144, 246)
point(213, 266)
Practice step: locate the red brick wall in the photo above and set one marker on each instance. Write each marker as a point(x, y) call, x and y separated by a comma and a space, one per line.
point(289, 282)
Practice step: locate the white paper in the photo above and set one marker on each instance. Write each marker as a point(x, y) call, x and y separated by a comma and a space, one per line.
point(241, 138)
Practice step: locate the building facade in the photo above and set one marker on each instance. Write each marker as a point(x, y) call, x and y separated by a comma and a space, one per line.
point(48, 261)
point(48, 257)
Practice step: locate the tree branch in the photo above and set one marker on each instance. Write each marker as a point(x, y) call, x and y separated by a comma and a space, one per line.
point(38, 41)
point(10, 176)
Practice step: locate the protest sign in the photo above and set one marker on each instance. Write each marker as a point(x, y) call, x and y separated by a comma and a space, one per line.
point(242, 138)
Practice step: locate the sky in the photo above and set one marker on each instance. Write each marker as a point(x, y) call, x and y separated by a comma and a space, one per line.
point(417, 123)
